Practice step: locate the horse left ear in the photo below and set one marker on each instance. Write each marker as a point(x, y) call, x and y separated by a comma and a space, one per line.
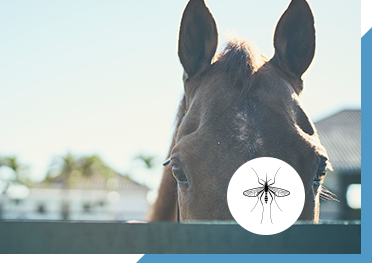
point(197, 42)
point(294, 39)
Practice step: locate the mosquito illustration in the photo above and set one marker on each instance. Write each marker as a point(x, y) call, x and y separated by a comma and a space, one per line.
point(264, 190)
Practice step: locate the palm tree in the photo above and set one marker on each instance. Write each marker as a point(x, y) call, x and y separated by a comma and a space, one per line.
point(19, 178)
point(4, 190)
point(144, 173)
point(68, 169)
point(147, 160)
point(91, 165)
point(19, 170)
point(62, 169)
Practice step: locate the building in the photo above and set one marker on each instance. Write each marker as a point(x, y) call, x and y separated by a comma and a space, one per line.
point(87, 198)
point(340, 134)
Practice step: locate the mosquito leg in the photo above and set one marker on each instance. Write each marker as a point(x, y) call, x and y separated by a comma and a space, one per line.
point(275, 176)
point(258, 198)
point(272, 198)
point(263, 208)
point(277, 205)
point(275, 201)
point(257, 176)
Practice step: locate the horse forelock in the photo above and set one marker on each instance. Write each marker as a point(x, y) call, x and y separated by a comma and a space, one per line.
point(238, 52)
point(240, 60)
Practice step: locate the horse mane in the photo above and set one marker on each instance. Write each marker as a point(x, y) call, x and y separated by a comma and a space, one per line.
point(240, 60)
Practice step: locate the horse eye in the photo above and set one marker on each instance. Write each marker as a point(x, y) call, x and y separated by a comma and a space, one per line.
point(320, 173)
point(179, 175)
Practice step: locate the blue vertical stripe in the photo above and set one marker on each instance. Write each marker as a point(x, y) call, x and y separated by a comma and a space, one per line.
point(366, 139)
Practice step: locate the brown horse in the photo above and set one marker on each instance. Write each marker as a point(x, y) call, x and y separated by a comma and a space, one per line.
point(237, 106)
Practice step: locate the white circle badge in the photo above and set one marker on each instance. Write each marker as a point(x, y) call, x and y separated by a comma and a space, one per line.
point(266, 196)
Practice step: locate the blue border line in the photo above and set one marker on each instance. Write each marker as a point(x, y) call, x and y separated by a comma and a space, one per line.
point(303, 258)
point(366, 58)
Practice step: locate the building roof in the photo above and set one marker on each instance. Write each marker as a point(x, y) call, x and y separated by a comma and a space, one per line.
point(340, 134)
point(96, 181)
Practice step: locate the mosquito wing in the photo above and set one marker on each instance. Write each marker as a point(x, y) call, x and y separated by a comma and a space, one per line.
point(253, 192)
point(278, 192)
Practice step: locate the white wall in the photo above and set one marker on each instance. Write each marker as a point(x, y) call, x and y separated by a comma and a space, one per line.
point(104, 205)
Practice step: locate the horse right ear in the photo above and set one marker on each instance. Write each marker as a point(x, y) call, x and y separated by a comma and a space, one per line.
point(294, 38)
point(197, 41)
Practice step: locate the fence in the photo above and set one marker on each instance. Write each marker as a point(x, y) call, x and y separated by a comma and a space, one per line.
point(172, 238)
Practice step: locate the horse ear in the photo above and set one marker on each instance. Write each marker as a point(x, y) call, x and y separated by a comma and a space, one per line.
point(197, 41)
point(294, 38)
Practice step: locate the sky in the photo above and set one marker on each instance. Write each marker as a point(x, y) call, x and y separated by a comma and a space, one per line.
point(103, 77)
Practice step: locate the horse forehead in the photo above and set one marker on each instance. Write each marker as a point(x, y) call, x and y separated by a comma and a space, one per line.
point(214, 96)
point(273, 83)
point(219, 100)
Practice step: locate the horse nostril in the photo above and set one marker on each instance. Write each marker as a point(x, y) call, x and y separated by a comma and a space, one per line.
point(179, 175)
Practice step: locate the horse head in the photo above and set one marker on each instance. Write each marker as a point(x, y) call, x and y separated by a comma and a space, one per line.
point(237, 106)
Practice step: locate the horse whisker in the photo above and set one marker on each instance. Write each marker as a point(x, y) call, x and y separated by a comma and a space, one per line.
point(326, 194)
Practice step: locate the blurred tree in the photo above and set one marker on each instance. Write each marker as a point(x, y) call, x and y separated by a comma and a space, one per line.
point(6, 182)
point(147, 160)
point(61, 170)
point(20, 176)
point(66, 170)
point(69, 169)
point(145, 169)
point(20, 170)
point(91, 165)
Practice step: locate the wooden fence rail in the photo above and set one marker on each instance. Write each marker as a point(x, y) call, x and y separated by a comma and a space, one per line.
point(172, 238)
